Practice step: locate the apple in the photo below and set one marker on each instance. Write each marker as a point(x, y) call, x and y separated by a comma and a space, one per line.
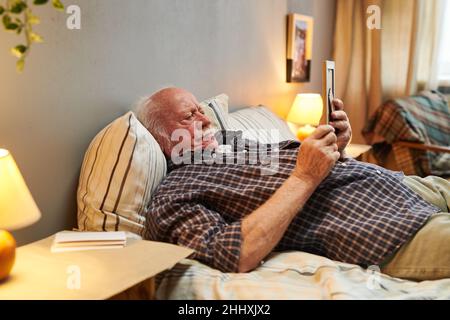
point(7, 253)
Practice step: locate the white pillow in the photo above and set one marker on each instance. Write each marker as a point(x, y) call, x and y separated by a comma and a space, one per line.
point(260, 124)
point(216, 109)
point(122, 167)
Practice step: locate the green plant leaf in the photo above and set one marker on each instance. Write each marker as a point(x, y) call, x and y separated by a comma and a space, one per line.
point(31, 18)
point(34, 37)
point(6, 20)
point(12, 26)
point(18, 6)
point(20, 64)
point(18, 51)
point(57, 4)
point(8, 24)
point(11, 18)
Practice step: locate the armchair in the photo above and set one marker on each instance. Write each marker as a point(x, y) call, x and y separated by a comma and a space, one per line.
point(417, 130)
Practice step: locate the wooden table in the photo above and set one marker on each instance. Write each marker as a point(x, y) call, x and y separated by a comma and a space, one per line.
point(126, 273)
point(358, 151)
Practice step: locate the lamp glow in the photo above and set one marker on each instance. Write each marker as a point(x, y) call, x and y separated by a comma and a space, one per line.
point(17, 209)
point(306, 111)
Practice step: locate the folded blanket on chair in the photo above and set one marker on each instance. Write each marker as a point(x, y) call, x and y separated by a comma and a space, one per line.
point(424, 118)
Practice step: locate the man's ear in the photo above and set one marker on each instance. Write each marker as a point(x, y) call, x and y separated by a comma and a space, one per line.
point(166, 148)
point(164, 145)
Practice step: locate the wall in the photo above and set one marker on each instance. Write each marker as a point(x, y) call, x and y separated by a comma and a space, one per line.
point(78, 81)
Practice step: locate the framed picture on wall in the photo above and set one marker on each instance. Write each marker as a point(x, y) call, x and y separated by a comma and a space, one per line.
point(299, 47)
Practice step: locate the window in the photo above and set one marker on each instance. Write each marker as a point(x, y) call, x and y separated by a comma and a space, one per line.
point(444, 69)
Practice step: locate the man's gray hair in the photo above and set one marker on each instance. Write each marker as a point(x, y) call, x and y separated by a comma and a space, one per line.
point(151, 114)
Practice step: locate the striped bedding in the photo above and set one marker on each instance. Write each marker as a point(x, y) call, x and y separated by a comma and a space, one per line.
point(293, 275)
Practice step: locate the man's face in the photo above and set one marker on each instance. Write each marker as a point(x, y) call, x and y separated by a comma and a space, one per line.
point(186, 114)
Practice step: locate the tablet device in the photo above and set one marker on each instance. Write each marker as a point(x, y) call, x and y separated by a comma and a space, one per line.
point(328, 83)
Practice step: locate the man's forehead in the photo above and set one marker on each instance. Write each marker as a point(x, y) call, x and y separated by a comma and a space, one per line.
point(173, 95)
point(186, 101)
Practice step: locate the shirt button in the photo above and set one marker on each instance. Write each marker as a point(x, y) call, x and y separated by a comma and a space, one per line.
point(214, 155)
point(244, 151)
point(378, 171)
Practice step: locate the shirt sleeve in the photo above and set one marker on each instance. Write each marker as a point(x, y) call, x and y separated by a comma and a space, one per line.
point(215, 242)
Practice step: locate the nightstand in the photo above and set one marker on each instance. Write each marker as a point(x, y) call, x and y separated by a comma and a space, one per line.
point(358, 151)
point(126, 273)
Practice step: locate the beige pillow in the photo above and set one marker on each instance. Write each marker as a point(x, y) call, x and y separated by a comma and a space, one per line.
point(122, 167)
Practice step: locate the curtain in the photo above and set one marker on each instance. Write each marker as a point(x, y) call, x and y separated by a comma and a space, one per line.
point(429, 55)
point(358, 62)
point(373, 65)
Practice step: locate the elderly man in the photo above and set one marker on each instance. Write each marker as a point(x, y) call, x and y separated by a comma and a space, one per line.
point(317, 201)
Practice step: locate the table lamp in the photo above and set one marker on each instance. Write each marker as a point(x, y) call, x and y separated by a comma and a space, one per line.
point(17, 209)
point(306, 112)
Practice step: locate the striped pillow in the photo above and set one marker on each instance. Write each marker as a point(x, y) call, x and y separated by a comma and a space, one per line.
point(122, 167)
point(216, 109)
point(260, 124)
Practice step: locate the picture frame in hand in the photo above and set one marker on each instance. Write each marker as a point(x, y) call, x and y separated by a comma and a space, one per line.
point(328, 87)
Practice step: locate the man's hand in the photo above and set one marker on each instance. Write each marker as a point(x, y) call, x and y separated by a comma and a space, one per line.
point(263, 229)
point(317, 155)
point(342, 125)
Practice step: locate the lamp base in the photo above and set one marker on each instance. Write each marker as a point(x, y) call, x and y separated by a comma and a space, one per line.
point(7, 253)
point(305, 131)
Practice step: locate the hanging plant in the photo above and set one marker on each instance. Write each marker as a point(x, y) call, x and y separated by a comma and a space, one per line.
point(17, 17)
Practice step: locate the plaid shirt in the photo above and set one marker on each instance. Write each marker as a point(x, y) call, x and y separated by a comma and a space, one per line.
point(359, 214)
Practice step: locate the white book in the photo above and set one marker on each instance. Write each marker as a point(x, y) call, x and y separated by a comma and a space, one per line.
point(89, 244)
point(77, 236)
point(77, 241)
point(56, 249)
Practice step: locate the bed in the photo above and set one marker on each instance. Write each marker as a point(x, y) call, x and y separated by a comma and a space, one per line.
point(293, 275)
point(123, 166)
